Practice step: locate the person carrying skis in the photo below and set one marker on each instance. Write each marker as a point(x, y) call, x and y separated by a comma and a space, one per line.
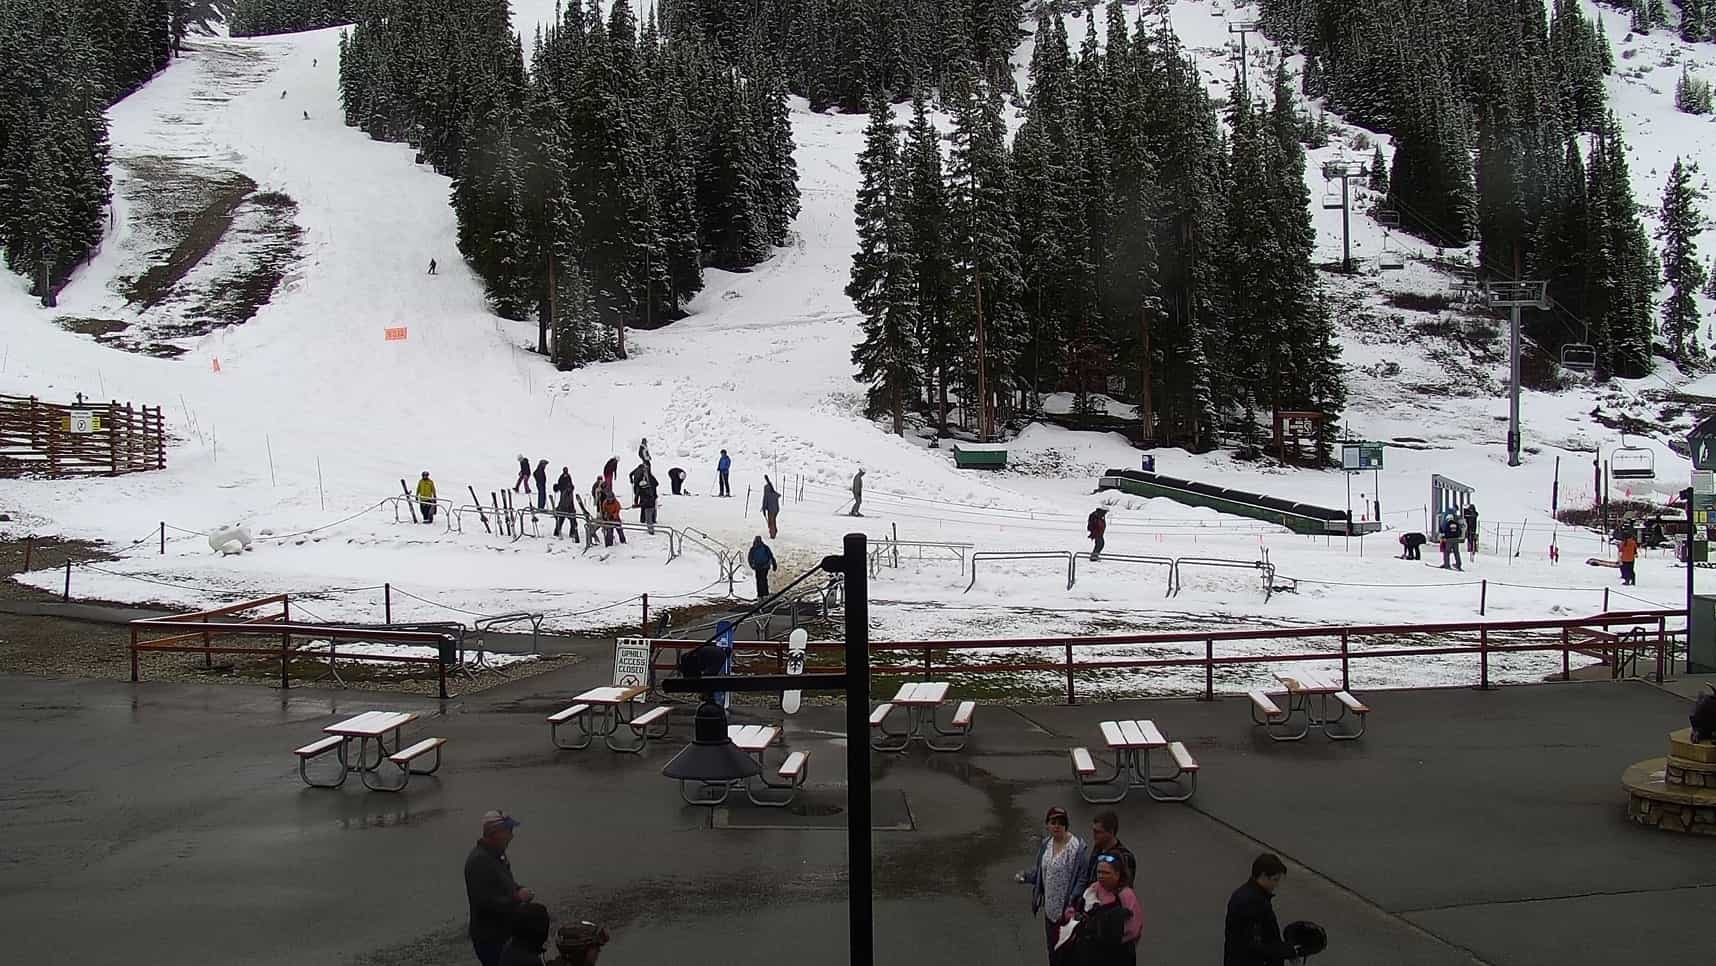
point(426, 497)
point(1450, 536)
point(762, 560)
point(541, 477)
point(564, 491)
point(523, 475)
point(857, 493)
point(722, 465)
point(676, 477)
point(1096, 526)
point(771, 505)
point(1471, 515)
point(647, 498)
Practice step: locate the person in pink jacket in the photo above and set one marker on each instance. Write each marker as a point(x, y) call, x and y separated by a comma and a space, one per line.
point(1110, 919)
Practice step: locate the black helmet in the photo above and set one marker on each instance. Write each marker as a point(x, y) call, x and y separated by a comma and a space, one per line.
point(1308, 937)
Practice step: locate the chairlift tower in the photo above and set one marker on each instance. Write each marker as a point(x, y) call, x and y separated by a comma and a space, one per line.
point(1243, 27)
point(1515, 296)
point(1346, 171)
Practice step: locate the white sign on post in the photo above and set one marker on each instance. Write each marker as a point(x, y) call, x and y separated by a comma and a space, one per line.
point(83, 421)
point(631, 662)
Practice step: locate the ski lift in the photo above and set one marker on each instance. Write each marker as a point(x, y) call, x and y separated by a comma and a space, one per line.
point(1388, 260)
point(1579, 357)
point(1632, 463)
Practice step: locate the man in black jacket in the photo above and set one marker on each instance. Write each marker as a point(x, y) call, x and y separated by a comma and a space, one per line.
point(1105, 840)
point(1252, 936)
point(489, 886)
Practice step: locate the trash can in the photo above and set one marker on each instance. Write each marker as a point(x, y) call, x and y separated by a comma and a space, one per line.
point(1701, 635)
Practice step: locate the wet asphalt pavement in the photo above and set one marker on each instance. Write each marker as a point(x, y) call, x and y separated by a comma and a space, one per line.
point(166, 822)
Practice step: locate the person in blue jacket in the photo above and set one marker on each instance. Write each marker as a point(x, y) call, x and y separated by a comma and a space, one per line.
point(762, 560)
point(721, 468)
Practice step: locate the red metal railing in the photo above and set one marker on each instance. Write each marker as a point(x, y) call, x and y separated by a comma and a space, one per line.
point(200, 627)
point(1069, 666)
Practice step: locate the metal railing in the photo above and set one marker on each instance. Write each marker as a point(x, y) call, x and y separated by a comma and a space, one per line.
point(887, 550)
point(1173, 571)
point(1067, 555)
point(446, 508)
point(1560, 634)
point(199, 627)
point(1263, 567)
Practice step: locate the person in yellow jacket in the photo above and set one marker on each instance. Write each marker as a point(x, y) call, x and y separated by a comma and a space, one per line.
point(426, 497)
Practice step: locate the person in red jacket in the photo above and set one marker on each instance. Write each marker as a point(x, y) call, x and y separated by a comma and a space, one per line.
point(1098, 525)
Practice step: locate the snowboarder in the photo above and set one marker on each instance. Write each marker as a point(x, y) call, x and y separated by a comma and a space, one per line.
point(306, 115)
point(1471, 515)
point(1096, 526)
point(313, 61)
point(643, 450)
point(426, 497)
point(282, 95)
point(676, 477)
point(646, 499)
point(721, 468)
point(771, 505)
point(1412, 545)
point(1450, 536)
point(857, 493)
point(564, 491)
point(762, 560)
point(1629, 555)
point(541, 477)
point(523, 475)
point(431, 266)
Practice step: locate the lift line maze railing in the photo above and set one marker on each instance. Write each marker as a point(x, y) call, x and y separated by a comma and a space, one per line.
point(1560, 631)
point(1175, 565)
point(886, 550)
point(200, 628)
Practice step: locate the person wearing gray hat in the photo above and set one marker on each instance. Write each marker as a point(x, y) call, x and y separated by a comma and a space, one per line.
point(494, 895)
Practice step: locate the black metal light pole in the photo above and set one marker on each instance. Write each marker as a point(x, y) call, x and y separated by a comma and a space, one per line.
point(856, 683)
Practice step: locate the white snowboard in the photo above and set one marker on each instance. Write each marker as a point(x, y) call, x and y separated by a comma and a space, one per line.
point(796, 646)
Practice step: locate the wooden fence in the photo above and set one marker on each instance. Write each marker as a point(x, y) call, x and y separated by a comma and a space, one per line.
point(91, 439)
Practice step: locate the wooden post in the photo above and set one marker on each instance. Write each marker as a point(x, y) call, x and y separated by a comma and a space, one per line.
point(926, 663)
point(29, 545)
point(387, 603)
point(133, 653)
point(67, 594)
point(1346, 675)
point(1606, 598)
point(1070, 698)
point(1483, 595)
point(1209, 669)
point(163, 538)
point(285, 647)
point(208, 659)
point(1566, 662)
point(644, 628)
point(1483, 659)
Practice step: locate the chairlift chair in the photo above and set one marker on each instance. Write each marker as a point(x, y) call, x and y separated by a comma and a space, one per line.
point(1579, 357)
point(1332, 196)
point(1632, 463)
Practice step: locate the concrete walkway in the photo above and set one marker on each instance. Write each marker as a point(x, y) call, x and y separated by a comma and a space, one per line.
point(168, 821)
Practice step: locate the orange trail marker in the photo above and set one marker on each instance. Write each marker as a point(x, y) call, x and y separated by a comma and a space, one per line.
point(394, 333)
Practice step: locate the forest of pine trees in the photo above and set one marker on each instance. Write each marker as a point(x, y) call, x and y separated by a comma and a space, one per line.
point(64, 62)
point(256, 18)
point(1502, 134)
point(593, 184)
point(1123, 239)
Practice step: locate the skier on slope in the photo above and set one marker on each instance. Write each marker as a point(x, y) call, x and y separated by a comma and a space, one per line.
point(523, 475)
point(647, 498)
point(857, 493)
point(1095, 527)
point(771, 505)
point(722, 465)
point(643, 450)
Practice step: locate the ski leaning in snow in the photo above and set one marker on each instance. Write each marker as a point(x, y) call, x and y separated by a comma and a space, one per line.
point(796, 644)
point(410, 501)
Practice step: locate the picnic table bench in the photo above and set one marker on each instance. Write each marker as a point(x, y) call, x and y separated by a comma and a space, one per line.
point(364, 728)
point(600, 713)
point(777, 792)
point(1131, 743)
point(1308, 696)
point(921, 701)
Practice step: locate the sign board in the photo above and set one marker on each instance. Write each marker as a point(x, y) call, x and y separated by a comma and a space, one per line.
point(631, 662)
point(394, 333)
point(1701, 443)
point(81, 421)
point(1702, 505)
point(1703, 481)
point(1300, 426)
point(1361, 456)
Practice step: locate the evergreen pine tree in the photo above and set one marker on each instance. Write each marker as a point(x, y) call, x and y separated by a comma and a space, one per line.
point(1378, 171)
point(884, 275)
point(929, 219)
point(1681, 223)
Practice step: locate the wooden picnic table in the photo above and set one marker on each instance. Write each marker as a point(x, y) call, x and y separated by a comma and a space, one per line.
point(1308, 694)
point(922, 700)
point(366, 727)
point(1131, 742)
point(610, 707)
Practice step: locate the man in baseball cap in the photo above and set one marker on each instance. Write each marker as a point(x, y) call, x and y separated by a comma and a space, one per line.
point(489, 886)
